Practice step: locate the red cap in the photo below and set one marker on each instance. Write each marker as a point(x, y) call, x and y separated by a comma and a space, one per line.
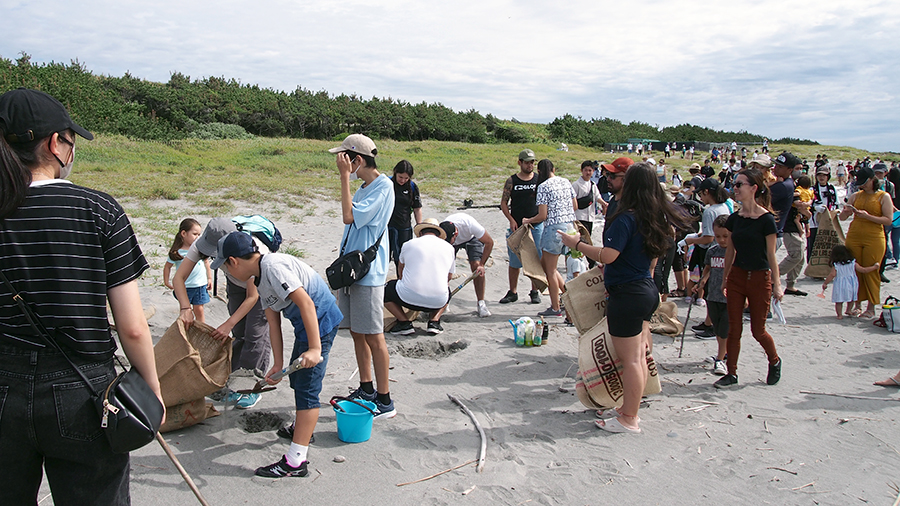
point(620, 164)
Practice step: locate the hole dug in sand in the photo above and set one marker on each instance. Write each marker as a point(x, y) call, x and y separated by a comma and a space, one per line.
point(261, 421)
point(432, 348)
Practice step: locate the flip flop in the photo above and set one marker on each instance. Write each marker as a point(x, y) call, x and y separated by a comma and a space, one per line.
point(615, 426)
point(605, 414)
point(884, 383)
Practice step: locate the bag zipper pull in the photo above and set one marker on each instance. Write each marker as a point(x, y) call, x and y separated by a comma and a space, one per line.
point(107, 408)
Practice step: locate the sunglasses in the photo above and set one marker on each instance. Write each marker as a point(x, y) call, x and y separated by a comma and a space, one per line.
point(738, 184)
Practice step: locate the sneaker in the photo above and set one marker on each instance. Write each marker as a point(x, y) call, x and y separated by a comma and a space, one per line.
point(711, 359)
point(706, 335)
point(233, 397)
point(434, 328)
point(701, 327)
point(774, 373)
point(510, 296)
point(700, 302)
point(551, 312)
point(403, 329)
point(359, 393)
point(384, 410)
point(720, 369)
point(884, 278)
point(483, 311)
point(287, 432)
point(247, 401)
point(726, 381)
point(281, 469)
point(688, 300)
point(535, 296)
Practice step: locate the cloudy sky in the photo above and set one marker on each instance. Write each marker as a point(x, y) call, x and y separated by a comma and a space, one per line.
point(814, 69)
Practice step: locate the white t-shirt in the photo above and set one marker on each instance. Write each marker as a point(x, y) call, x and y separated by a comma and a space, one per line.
point(582, 189)
point(466, 226)
point(427, 261)
point(193, 254)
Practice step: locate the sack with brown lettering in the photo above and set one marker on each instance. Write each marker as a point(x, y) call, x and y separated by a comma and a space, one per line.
point(829, 235)
point(522, 244)
point(187, 414)
point(585, 299)
point(598, 382)
point(665, 320)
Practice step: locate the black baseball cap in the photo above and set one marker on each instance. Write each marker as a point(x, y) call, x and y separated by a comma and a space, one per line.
point(708, 184)
point(29, 115)
point(864, 174)
point(788, 160)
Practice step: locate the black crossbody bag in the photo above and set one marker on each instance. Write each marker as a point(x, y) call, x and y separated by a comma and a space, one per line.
point(130, 413)
point(351, 267)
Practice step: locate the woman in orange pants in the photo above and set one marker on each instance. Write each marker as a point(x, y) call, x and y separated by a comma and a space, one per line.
point(872, 209)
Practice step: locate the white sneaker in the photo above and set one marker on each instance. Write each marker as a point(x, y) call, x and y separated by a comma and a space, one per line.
point(720, 369)
point(482, 309)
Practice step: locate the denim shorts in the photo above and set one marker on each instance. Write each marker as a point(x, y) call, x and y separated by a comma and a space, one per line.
point(198, 296)
point(307, 383)
point(537, 231)
point(550, 240)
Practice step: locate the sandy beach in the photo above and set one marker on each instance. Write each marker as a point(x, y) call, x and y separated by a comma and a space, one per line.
point(753, 444)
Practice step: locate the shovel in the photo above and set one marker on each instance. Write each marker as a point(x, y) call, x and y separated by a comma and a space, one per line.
point(262, 386)
point(460, 287)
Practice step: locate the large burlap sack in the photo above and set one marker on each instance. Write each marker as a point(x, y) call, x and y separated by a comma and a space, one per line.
point(585, 299)
point(522, 244)
point(829, 235)
point(187, 414)
point(665, 320)
point(191, 363)
point(598, 382)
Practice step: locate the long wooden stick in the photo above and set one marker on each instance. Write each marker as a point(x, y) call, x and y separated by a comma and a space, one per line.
point(852, 396)
point(480, 467)
point(184, 474)
point(437, 474)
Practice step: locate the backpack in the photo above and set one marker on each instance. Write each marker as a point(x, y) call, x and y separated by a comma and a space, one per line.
point(260, 227)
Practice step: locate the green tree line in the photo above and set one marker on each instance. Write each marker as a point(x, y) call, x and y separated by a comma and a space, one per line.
point(215, 107)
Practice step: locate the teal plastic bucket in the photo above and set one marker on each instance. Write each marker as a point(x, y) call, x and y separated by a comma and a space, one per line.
point(354, 422)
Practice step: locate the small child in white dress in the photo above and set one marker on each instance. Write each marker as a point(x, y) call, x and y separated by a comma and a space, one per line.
point(846, 284)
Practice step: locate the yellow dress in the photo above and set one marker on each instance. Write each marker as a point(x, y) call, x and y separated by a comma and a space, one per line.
point(865, 239)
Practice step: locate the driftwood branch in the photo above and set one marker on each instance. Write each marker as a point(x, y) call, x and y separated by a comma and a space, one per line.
point(480, 467)
point(864, 397)
point(437, 474)
point(184, 474)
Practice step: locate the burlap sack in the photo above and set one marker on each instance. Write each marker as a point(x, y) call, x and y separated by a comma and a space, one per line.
point(665, 320)
point(191, 363)
point(523, 246)
point(585, 299)
point(598, 382)
point(829, 235)
point(187, 414)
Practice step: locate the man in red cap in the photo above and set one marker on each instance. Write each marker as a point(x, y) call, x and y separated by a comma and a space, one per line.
point(615, 176)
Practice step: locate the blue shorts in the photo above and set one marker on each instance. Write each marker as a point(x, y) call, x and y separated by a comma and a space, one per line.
point(197, 296)
point(550, 240)
point(307, 383)
point(536, 232)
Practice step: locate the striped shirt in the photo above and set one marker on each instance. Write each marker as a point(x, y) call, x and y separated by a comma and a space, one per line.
point(62, 250)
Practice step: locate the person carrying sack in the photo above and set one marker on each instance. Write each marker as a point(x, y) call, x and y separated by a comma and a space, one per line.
point(60, 243)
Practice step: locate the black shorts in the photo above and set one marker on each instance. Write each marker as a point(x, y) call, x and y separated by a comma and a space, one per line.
point(718, 315)
point(629, 305)
point(697, 258)
point(391, 295)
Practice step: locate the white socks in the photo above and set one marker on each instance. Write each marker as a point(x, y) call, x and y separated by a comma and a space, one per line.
point(296, 454)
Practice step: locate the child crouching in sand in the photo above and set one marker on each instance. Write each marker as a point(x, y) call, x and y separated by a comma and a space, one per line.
point(846, 284)
point(290, 287)
point(714, 280)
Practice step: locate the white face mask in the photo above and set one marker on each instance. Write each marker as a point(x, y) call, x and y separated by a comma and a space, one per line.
point(66, 169)
point(353, 175)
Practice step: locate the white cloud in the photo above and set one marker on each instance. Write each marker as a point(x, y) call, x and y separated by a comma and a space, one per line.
point(800, 68)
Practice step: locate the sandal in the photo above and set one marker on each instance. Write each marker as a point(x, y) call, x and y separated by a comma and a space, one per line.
point(890, 382)
point(615, 426)
point(677, 293)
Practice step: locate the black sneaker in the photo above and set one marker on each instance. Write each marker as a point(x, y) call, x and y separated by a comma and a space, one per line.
point(774, 373)
point(403, 328)
point(726, 381)
point(701, 327)
point(384, 410)
point(287, 432)
point(535, 296)
point(359, 393)
point(884, 278)
point(281, 469)
point(434, 328)
point(706, 334)
point(510, 296)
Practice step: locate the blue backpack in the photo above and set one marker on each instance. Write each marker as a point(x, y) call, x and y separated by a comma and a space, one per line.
point(260, 227)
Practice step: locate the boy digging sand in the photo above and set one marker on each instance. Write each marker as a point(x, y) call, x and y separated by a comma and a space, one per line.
point(289, 286)
point(713, 272)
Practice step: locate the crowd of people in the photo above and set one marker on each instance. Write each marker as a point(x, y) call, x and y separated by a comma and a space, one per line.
point(60, 241)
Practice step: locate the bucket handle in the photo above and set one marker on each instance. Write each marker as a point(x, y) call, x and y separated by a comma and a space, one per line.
point(336, 398)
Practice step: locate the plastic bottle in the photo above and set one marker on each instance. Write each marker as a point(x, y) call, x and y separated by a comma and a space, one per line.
point(538, 332)
point(570, 230)
point(518, 336)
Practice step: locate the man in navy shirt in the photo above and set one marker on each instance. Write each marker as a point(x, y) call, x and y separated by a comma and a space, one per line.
point(782, 202)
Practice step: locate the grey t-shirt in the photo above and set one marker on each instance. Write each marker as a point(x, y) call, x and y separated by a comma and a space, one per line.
point(715, 259)
point(709, 216)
